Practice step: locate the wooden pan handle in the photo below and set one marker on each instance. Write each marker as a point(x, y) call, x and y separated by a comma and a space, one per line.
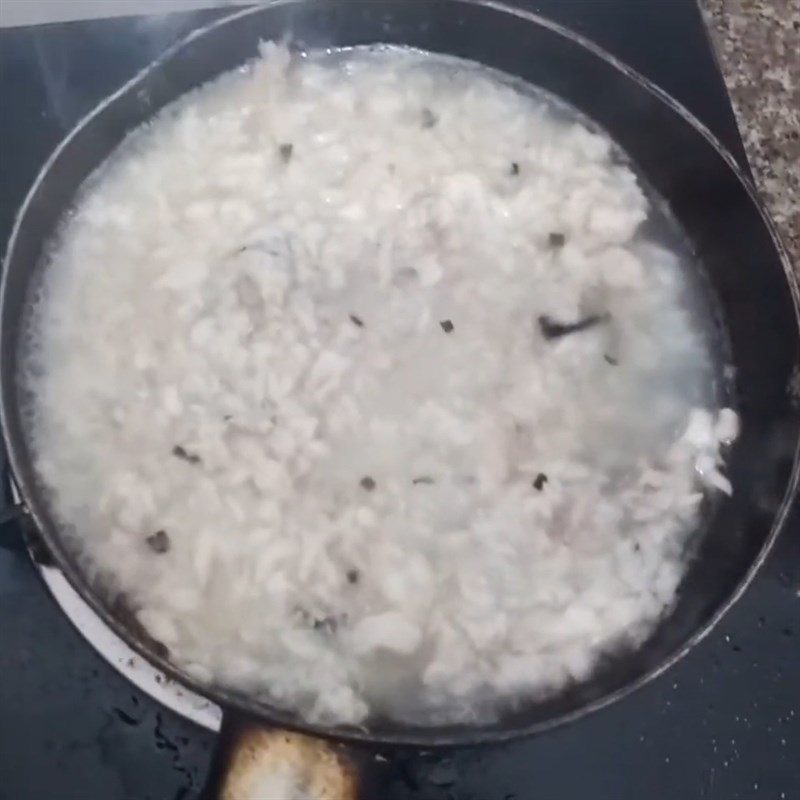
point(253, 762)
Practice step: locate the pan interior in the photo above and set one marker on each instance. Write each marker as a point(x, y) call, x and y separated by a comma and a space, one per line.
point(511, 453)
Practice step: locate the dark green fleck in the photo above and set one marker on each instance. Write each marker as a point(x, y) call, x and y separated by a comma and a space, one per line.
point(368, 483)
point(551, 329)
point(357, 321)
point(556, 240)
point(611, 360)
point(447, 325)
point(429, 119)
point(539, 481)
point(158, 542)
point(286, 151)
point(184, 455)
point(326, 624)
point(514, 170)
point(353, 575)
point(426, 479)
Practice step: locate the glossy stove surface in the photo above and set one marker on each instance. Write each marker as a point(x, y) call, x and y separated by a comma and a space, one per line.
point(724, 723)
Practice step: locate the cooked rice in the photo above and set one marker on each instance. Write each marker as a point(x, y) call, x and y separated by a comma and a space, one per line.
point(297, 390)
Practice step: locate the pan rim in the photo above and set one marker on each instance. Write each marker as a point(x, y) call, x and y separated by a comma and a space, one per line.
point(403, 735)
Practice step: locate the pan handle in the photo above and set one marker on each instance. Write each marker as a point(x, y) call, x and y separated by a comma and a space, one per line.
point(255, 762)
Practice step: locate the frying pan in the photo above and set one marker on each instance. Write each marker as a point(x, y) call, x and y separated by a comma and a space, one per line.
point(736, 250)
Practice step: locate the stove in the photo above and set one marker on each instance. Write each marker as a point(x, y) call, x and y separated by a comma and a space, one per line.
point(82, 717)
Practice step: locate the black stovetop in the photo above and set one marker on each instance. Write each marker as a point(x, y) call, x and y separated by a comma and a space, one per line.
point(722, 724)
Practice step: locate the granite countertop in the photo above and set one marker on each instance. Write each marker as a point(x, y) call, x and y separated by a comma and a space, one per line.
point(758, 47)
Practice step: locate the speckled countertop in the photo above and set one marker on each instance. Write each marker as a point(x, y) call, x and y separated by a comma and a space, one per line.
point(758, 46)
